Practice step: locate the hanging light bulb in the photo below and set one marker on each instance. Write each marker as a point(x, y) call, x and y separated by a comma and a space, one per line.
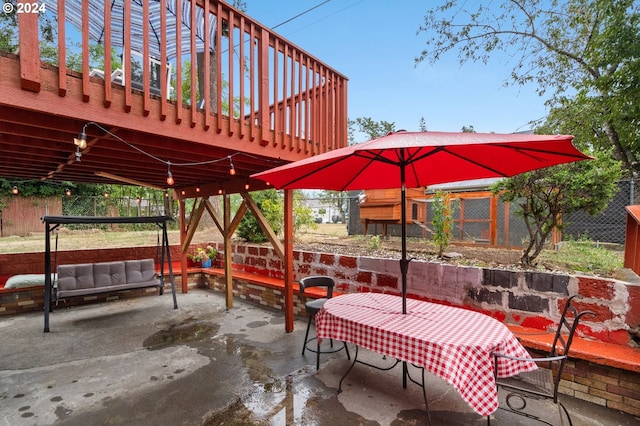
point(170, 180)
point(166, 194)
point(220, 191)
point(138, 200)
point(106, 194)
point(246, 186)
point(81, 140)
point(67, 192)
point(197, 189)
point(183, 192)
point(15, 191)
point(232, 170)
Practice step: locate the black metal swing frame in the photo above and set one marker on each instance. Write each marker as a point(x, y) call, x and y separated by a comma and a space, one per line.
point(53, 222)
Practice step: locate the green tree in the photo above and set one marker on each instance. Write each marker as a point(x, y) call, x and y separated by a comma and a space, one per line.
point(270, 203)
point(443, 209)
point(422, 125)
point(302, 214)
point(585, 52)
point(544, 196)
point(373, 129)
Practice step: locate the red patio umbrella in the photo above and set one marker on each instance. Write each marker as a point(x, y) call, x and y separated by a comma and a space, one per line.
point(415, 159)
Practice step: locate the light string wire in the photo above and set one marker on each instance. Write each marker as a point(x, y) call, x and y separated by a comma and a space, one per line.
point(169, 163)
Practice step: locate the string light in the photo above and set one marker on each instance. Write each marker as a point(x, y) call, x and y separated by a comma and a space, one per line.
point(220, 191)
point(106, 195)
point(170, 180)
point(197, 188)
point(67, 192)
point(81, 142)
point(246, 186)
point(15, 191)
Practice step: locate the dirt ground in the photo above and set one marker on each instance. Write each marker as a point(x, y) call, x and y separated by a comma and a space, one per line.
point(333, 238)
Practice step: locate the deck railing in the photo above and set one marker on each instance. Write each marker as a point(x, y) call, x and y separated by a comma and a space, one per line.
point(236, 77)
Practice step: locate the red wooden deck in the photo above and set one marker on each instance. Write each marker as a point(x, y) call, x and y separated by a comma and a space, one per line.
point(269, 103)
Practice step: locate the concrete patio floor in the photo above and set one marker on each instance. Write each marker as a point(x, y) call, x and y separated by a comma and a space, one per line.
point(140, 362)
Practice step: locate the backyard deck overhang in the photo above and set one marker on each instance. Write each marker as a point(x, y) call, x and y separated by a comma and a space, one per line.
point(278, 104)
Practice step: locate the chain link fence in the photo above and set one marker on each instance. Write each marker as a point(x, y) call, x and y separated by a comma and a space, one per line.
point(608, 226)
point(116, 207)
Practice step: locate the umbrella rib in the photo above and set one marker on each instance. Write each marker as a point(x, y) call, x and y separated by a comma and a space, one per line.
point(371, 160)
point(524, 150)
point(306, 175)
point(483, 166)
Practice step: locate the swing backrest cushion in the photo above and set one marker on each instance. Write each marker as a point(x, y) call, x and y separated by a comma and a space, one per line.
point(140, 270)
point(89, 278)
point(106, 274)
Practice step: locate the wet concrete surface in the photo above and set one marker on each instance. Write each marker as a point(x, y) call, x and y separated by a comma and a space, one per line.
point(140, 362)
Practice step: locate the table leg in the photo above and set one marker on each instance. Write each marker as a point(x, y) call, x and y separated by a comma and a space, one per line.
point(355, 359)
point(405, 376)
point(405, 372)
point(424, 391)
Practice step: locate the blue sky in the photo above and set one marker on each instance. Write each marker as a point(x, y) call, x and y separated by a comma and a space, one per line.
point(374, 43)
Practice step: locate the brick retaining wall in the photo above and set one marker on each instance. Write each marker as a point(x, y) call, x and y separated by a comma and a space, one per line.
point(531, 299)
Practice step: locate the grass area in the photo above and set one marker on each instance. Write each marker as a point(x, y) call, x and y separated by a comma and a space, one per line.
point(585, 256)
point(94, 239)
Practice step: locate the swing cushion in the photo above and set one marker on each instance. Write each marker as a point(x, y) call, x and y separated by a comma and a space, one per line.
point(27, 280)
point(108, 273)
point(139, 271)
point(91, 278)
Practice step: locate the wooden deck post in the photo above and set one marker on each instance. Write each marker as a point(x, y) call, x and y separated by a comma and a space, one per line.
point(228, 233)
point(288, 260)
point(183, 236)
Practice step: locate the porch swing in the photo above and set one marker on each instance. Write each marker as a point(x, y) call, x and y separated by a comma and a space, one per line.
point(53, 222)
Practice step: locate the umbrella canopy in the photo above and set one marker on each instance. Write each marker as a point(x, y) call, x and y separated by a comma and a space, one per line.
point(415, 159)
point(428, 158)
point(73, 13)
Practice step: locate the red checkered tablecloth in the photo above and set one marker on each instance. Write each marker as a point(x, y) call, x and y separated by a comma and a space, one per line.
point(453, 343)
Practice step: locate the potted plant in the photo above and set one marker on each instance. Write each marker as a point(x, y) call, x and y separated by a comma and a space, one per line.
point(202, 257)
point(211, 252)
point(191, 261)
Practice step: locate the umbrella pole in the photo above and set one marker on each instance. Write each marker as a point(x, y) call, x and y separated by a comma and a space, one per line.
point(404, 263)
